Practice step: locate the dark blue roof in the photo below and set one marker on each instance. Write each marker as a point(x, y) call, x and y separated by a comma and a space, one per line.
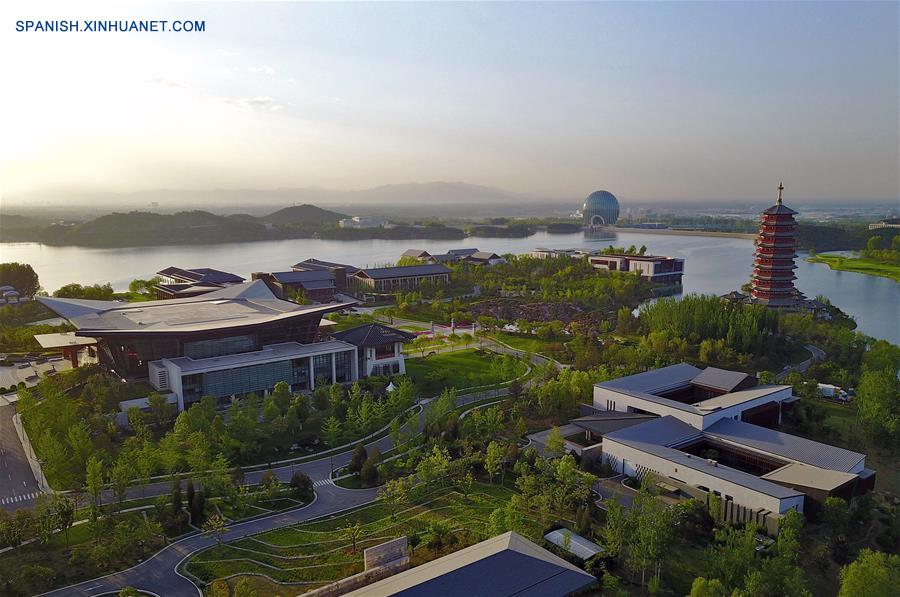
point(504, 574)
point(427, 269)
point(201, 274)
point(293, 277)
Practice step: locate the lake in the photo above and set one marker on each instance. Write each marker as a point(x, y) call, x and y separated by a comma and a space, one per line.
point(713, 265)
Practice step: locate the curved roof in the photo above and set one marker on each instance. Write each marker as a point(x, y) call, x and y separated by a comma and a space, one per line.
point(373, 335)
point(236, 306)
point(598, 198)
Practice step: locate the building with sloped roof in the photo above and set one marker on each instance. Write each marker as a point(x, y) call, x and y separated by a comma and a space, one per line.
point(342, 272)
point(710, 430)
point(392, 279)
point(379, 348)
point(504, 566)
point(316, 285)
point(175, 282)
point(224, 343)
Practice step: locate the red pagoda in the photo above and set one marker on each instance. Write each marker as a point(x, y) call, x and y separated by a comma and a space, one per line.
point(772, 282)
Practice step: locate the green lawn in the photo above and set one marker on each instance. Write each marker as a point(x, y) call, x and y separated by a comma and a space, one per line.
point(459, 369)
point(860, 265)
point(311, 554)
point(530, 343)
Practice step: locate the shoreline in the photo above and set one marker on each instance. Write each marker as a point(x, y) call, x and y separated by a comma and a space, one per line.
point(671, 232)
point(858, 265)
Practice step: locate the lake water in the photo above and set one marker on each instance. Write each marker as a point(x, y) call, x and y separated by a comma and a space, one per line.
point(713, 265)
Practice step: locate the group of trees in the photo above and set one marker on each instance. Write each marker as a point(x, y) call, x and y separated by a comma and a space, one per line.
point(876, 249)
point(20, 276)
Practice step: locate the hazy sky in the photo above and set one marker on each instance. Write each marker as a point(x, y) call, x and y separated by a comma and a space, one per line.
point(653, 101)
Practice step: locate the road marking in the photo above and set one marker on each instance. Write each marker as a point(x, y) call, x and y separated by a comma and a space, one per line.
point(19, 498)
point(322, 482)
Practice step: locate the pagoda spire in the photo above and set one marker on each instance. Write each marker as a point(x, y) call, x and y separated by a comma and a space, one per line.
point(780, 188)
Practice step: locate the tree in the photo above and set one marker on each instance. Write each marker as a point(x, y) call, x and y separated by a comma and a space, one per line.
point(95, 481)
point(493, 460)
point(395, 494)
point(877, 406)
point(160, 409)
point(358, 458)
point(703, 587)
point(176, 497)
point(215, 526)
point(353, 533)
point(281, 395)
point(20, 276)
point(836, 517)
point(120, 478)
point(331, 431)
point(302, 486)
point(617, 529)
point(65, 513)
point(368, 474)
point(198, 505)
point(433, 466)
point(872, 574)
point(556, 444)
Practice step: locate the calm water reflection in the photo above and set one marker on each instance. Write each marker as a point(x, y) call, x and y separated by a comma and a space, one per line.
point(713, 265)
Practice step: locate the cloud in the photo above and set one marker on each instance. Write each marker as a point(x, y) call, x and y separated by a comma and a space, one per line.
point(262, 102)
point(166, 82)
point(262, 70)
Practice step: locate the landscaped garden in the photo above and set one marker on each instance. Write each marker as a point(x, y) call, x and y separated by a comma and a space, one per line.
point(462, 369)
point(315, 553)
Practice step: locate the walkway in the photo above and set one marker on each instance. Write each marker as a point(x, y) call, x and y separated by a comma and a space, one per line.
point(18, 487)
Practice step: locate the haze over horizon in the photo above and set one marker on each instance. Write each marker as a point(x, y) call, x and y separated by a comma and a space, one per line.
point(655, 102)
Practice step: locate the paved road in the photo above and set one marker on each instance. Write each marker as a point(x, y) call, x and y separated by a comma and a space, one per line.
point(18, 487)
point(159, 575)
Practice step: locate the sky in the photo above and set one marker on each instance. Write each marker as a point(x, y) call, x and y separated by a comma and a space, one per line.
point(654, 101)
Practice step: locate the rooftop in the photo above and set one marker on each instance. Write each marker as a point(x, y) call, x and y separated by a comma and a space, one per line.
point(426, 269)
point(273, 352)
point(201, 274)
point(232, 307)
point(578, 545)
point(310, 264)
point(655, 380)
point(803, 475)
point(62, 340)
point(373, 335)
point(739, 397)
point(294, 277)
point(720, 379)
point(503, 566)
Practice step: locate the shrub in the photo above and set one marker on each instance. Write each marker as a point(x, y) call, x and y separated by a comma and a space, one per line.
point(358, 459)
point(368, 474)
point(302, 485)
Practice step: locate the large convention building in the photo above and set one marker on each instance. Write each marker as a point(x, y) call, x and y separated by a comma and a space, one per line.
point(224, 343)
point(601, 208)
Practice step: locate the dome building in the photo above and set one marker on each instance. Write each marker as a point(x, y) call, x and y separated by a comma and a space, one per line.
point(601, 208)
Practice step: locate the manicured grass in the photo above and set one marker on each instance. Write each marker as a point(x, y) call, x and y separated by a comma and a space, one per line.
point(533, 344)
point(320, 551)
point(860, 265)
point(459, 369)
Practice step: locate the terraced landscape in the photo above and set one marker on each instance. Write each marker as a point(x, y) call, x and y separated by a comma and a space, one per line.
point(309, 555)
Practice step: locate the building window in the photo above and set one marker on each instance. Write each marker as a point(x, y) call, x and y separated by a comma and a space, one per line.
point(384, 352)
point(322, 368)
point(342, 366)
point(216, 347)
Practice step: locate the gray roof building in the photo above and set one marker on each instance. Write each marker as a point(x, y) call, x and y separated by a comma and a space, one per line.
point(504, 566)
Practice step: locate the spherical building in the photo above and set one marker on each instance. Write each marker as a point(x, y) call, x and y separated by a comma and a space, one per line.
point(601, 208)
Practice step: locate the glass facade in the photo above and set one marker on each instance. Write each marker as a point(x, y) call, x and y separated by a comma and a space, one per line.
point(343, 367)
point(216, 347)
point(322, 368)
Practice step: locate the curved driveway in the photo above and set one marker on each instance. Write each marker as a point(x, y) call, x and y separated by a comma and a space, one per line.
point(159, 575)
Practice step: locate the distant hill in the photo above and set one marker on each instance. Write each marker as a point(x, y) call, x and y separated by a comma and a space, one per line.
point(303, 214)
point(139, 228)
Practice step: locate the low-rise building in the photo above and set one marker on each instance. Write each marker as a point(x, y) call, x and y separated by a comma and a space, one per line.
point(710, 431)
point(885, 223)
point(392, 279)
point(379, 348)
point(656, 268)
point(504, 566)
point(223, 343)
point(314, 285)
point(362, 222)
point(342, 272)
point(176, 282)
point(483, 258)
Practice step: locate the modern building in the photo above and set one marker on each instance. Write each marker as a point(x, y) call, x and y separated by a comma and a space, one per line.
point(379, 348)
point(341, 271)
point(392, 279)
point(885, 223)
point(314, 285)
point(451, 256)
point(176, 282)
point(772, 282)
point(77, 350)
point(601, 208)
point(655, 268)
point(483, 258)
point(504, 566)
point(9, 295)
point(710, 432)
point(362, 222)
point(223, 343)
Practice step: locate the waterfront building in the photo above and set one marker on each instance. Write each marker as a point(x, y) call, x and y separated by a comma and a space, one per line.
point(601, 208)
point(392, 279)
point(885, 223)
point(341, 271)
point(316, 285)
point(772, 282)
point(175, 282)
point(711, 432)
point(655, 268)
point(224, 343)
point(362, 222)
point(451, 256)
point(483, 258)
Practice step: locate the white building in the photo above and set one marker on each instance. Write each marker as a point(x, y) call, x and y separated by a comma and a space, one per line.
point(380, 348)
